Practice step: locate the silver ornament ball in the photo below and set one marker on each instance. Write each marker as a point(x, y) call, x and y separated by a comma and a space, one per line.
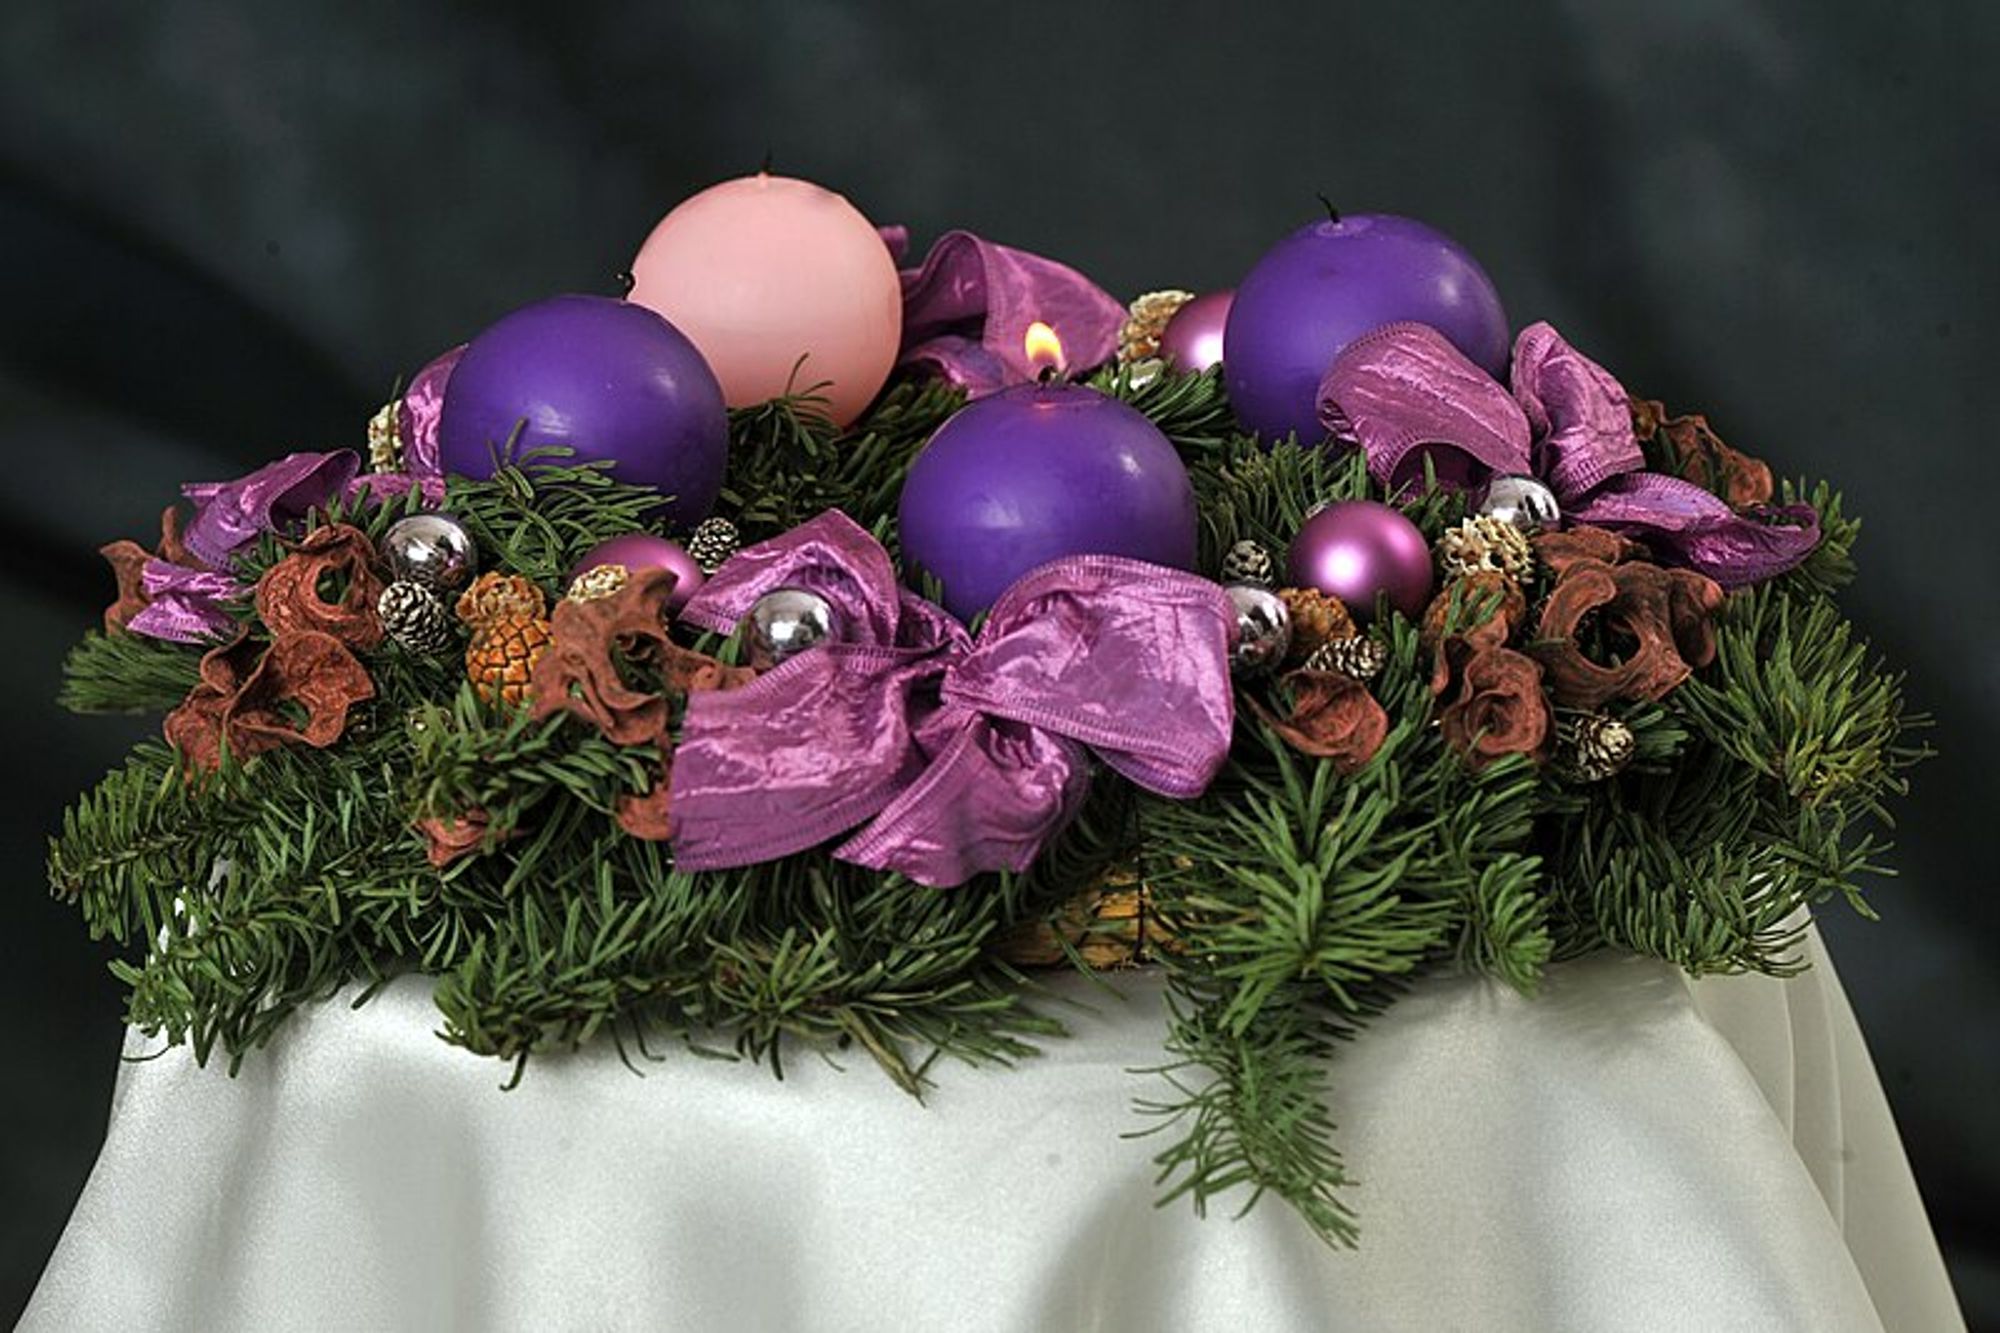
point(434, 550)
point(1263, 629)
point(1520, 502)
point(784, 623)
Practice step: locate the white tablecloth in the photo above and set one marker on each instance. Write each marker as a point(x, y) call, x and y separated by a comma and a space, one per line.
point(1625, 1152)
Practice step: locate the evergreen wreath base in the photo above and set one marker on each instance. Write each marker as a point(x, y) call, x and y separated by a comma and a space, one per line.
point(1298, 902)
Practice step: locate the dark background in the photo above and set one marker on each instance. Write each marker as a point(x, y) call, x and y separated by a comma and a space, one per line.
point(226, 230)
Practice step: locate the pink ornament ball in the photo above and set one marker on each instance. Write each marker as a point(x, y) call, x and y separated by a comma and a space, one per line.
point(784, 287)
point(1192, 340)
point(643, 550)
point(1359, 551)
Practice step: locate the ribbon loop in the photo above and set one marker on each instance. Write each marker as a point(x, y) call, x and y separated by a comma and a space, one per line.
point(1403, 393)
point(966, 312)
point(960, 756)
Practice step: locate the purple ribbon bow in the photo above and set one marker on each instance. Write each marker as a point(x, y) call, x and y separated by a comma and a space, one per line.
point(1404, 394)
point(960, 755)
point(966, 312)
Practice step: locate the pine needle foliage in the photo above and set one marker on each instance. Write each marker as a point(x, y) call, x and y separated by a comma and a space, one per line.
point(1299, 901)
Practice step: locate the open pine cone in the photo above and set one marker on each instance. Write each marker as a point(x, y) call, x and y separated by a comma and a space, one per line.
point(510, 631)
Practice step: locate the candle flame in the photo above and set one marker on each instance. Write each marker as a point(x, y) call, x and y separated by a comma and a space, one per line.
point(1043, 348)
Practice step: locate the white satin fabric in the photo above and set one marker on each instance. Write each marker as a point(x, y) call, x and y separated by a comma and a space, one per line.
point(1625, 1152)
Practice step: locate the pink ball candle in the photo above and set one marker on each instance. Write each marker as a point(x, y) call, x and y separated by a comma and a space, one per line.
point(783, 286)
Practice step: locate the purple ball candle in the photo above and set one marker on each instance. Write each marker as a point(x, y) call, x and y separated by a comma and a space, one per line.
point(643, 550)
point(1192, 340)
point(1359, 550)
point(608, 379)
point(1327, 284)
point(1037, 472)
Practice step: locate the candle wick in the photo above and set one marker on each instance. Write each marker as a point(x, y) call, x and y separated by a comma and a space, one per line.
point(1047, 374)
point(765, 168)
point(626, 282)
point(1332, 213)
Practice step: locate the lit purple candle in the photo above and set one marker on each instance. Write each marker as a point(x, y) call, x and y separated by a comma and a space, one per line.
point(1037, 472)
point(1328, 283)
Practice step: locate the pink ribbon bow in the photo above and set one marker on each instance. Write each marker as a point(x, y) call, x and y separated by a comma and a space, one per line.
point(1404, 394)
point(960, 755)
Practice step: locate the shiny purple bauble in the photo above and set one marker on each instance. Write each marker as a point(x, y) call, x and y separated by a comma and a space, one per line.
point(1358, 550)
point(1192, 340)
point(608, 379)
point(1038, 472)
point(642, 550)
point(1327, 284)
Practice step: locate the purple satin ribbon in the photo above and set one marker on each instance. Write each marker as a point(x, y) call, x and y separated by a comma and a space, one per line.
point(959, 755)
point(185, 605)
point(966, 312)
point(188, 604)
point(1404, 394)
point(417, 422)
point(229, 515)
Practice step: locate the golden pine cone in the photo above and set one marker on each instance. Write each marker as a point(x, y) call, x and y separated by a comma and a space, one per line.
point(1145, 320)
point(1317, 619)
point(502, 655)
point(496, 596)
point(1481, 545)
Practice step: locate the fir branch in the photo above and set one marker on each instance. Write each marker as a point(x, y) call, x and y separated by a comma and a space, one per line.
point(1248, 1107)
point(127, 673)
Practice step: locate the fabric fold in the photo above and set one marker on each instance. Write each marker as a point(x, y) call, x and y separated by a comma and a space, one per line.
point(967, 308)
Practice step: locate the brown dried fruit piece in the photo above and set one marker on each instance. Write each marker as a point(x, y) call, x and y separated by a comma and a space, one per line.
point(1499, 710)
point(580, 673)
point(243, 696)
point(288, 596)
point(1332, 717)
point(1666, 614)
point(1491, 606)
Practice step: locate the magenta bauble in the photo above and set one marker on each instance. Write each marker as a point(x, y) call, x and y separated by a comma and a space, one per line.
point(1192, 339)
point(1359, 551)
point(643, 550)
point(1037, 472)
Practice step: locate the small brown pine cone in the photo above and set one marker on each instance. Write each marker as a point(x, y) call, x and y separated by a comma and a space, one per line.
point(502, 655)
point(1317, 620)
point(495, 596)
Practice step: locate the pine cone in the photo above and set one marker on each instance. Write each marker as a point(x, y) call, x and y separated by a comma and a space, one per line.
point(1146, 318)
point(1359, 657)
point(495, 595)
point(1594, 747)
point(1482, 544)
point(502, 656)
point(1247, 562)
point(510, 629)
point(712, 542)
point(385, 442)
point(415, 618)
point(1317, 620)
point(596, 582)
